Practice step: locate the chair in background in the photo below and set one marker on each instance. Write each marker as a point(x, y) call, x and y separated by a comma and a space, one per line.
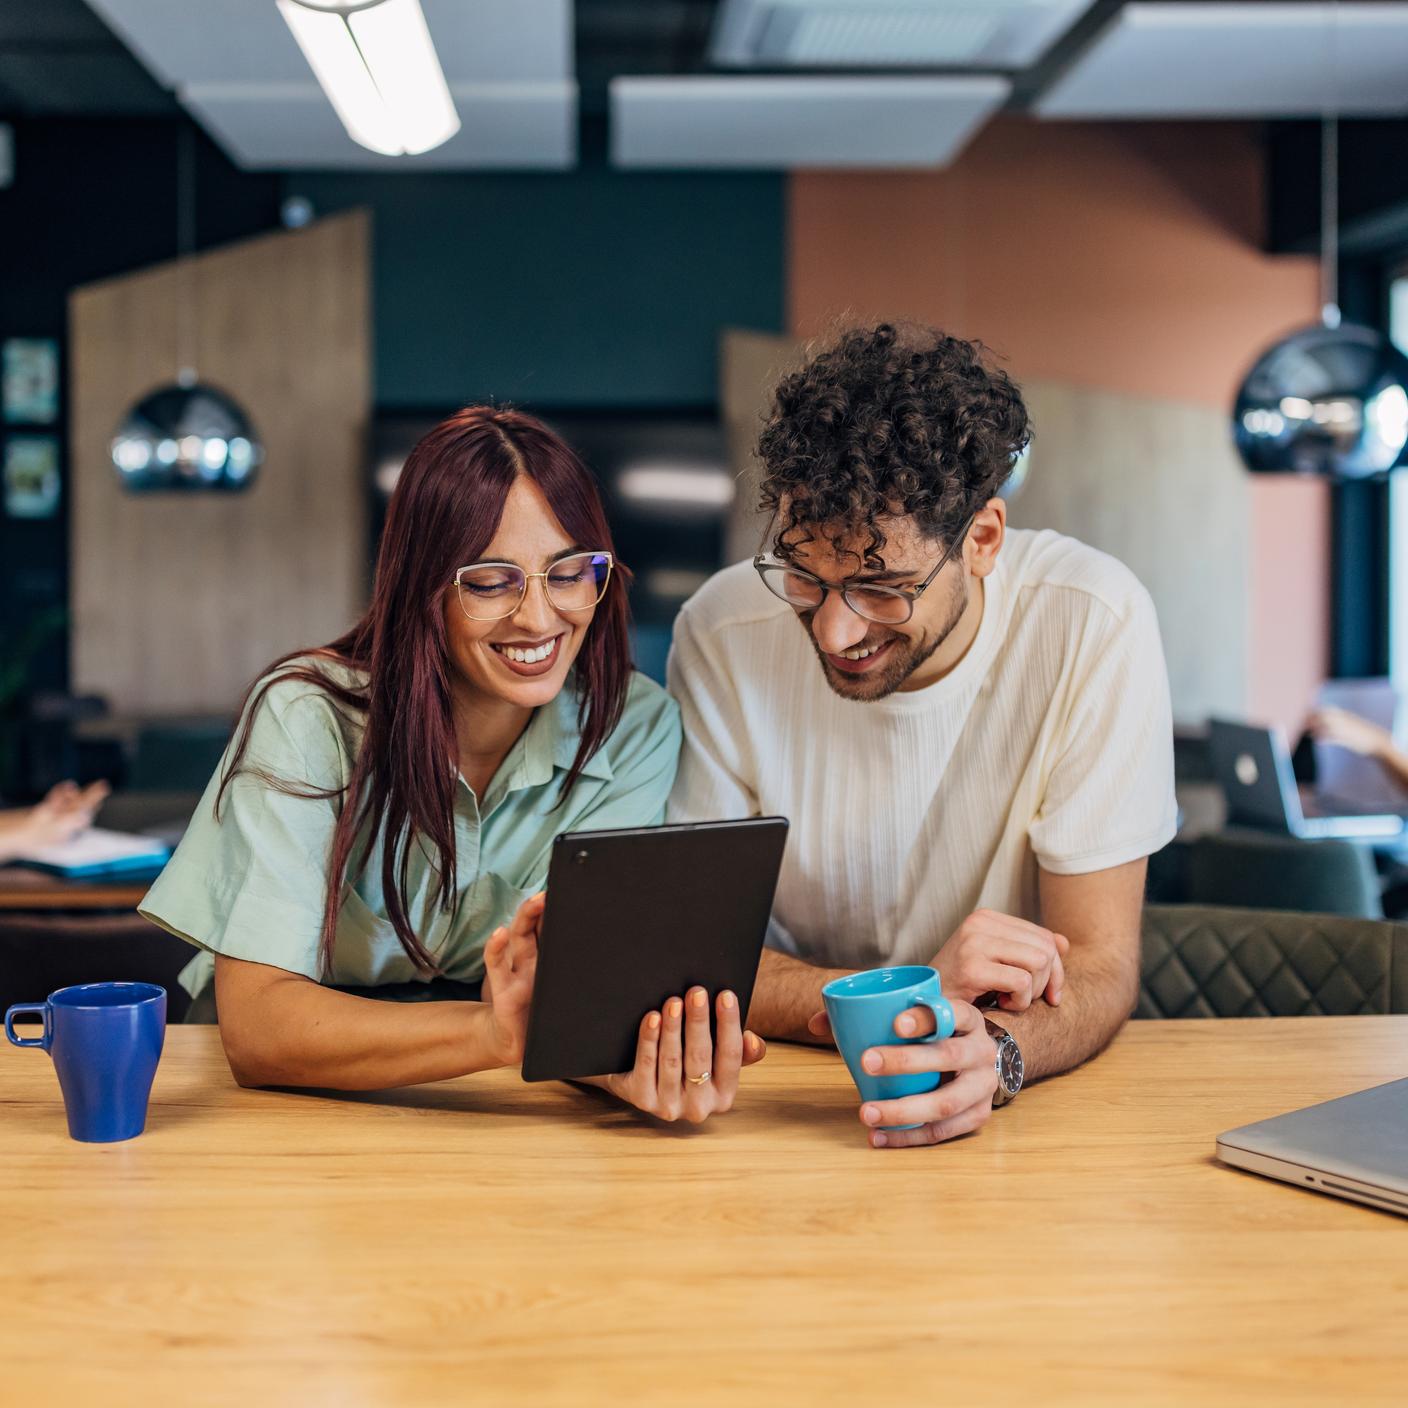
point(1210, 962)
point(1264, 870)
point(42, 952)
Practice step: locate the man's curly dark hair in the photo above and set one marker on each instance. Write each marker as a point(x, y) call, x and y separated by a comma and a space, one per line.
point(888, 420)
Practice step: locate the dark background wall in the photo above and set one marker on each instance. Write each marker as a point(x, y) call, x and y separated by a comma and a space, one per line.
point(91, 198)
point(583, 288)
point(590, 288)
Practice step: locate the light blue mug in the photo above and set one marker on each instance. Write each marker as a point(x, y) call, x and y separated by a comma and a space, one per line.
point(863, 1007)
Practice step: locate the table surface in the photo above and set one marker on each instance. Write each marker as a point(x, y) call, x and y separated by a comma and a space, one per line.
point(486, 1241)
point(24, 888)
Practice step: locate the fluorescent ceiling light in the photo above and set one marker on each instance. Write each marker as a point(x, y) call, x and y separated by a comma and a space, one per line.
point(378, 67)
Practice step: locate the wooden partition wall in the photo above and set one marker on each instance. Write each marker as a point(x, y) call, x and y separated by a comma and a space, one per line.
point(1153, 482)
point(180, 599)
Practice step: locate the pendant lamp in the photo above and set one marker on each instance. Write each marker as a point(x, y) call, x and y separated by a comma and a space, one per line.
point(186, 435)
point(1330, 399)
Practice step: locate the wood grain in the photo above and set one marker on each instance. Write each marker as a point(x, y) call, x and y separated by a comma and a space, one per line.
point(179, 600)
point(34, 889)
point(484, 1241)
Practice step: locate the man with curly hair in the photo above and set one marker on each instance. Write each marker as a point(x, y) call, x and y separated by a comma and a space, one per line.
point(968, 726)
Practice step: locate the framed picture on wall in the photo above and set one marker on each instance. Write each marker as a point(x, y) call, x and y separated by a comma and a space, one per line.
point(29, 380)
point(31, 476)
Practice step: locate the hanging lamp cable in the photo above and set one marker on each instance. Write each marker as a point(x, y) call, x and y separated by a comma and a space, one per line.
point(1330, 182)
point(186, 322)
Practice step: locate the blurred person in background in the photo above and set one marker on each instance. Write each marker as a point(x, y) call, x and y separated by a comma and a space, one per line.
point(1362, 736)
point(66, 811)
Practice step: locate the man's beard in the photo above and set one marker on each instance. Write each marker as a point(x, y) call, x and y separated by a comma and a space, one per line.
point(905, 656)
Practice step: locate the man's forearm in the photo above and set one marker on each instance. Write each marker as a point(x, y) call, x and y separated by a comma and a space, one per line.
point(786, 996)
point(1099, 995)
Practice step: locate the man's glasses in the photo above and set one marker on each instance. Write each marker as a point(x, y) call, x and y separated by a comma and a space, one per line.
point(890, 606)
point(489, 591)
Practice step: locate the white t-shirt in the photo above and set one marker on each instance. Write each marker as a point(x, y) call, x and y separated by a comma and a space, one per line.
point(1050, 742)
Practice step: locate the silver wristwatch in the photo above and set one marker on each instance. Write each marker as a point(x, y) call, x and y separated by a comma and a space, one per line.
point(1009, 1064)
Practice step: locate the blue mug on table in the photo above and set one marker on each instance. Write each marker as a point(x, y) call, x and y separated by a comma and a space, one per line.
point(863, 1007)
point(106, 1040)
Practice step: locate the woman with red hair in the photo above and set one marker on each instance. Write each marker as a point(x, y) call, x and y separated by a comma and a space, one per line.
point(381, 822)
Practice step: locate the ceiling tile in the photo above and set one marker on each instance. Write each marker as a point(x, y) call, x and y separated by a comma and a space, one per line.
point(185, 42)
point(757, 122)
point(889, 33)
point(292, 127)
point(1238, 60)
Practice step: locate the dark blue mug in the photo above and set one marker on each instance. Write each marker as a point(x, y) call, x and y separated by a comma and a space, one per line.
point(106, 1039)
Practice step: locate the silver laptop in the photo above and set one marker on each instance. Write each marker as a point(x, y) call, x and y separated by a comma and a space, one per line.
point(1355, 1147)
point(1253, 764)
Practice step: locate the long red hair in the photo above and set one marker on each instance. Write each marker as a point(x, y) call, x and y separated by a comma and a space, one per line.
point(443, 514)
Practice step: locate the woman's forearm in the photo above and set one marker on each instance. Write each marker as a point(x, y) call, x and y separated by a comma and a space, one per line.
point(282, 1029)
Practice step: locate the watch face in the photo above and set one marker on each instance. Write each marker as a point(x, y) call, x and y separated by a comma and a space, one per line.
point(1009, 1067)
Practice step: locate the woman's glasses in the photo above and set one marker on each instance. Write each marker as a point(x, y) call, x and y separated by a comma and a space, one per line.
point(489, 591)
point(890, 606)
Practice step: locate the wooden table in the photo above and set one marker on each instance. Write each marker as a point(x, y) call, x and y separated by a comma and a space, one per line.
point(484, 1241)
point(24, 888)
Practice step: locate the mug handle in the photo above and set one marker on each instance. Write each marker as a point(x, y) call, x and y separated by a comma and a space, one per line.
point(943, 1017)
point(43, 1009)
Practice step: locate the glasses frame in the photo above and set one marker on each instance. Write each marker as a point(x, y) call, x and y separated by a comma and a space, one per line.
point(528, 578)
point(766, 566)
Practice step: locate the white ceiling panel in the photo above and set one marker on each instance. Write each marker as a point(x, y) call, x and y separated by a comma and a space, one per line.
point(766, 123)
point(184, 42)
point(894, 33)
point(1238, 60)
point(291, 127)
point(236, 68)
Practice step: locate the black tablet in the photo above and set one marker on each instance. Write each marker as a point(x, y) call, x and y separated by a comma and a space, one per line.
point(636, 917)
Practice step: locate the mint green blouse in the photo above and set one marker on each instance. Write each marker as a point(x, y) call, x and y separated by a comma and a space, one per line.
point(251, 885)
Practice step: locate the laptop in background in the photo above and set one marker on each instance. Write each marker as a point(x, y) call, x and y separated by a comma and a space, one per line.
point(1253, 764)
point(1355, 1147)
point(1341, 772)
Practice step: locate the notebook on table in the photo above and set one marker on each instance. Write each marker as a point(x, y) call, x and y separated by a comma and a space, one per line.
point(97, 853)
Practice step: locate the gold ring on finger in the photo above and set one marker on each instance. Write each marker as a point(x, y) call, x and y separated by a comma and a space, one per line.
point(699, 1080)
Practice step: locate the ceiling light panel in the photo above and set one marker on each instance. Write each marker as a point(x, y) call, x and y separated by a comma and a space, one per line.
point(889, 33)
point(246, 41)
point(1239, 60)
point(781, 122)
point(379, 70)
point(237, 68)
point(292, 127)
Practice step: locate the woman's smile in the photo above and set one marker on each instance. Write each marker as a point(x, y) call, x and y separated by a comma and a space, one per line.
point(527, 657)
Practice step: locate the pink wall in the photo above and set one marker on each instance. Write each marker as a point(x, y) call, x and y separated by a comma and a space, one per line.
point(1119, 256)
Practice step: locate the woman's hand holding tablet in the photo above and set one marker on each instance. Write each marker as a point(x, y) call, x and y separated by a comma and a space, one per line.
point(510, 966)
point(681, 1071)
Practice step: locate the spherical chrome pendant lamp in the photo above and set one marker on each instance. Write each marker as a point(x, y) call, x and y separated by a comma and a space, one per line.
point(1327, 400)
point(187, 435)
point(1330, 399)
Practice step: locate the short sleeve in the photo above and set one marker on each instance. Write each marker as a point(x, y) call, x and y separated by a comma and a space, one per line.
point(712, 783)
point(252, 883)
point(1108, 797)
point(645, 752)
